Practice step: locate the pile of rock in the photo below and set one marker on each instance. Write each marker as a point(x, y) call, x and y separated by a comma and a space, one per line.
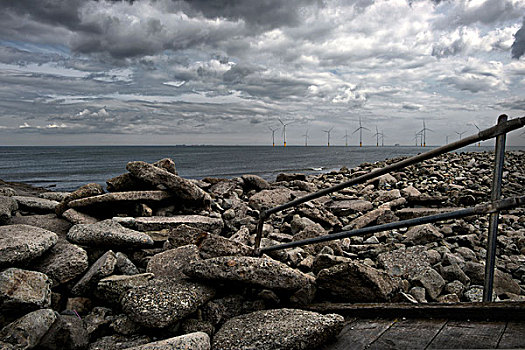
point(159, 261)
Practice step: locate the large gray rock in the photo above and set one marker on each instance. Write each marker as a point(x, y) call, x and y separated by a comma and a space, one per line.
point(156, 223)
point(255, 182)
point(170, 263)
point(213, 246)
point(67, 332)
point(27, 331)
point(347, 207)
point(63, 262)
point(22, 243)
point(113, 287)
point(48, 222)
point(183, 188)
point(365, 219)
point(405, 262)
point(422, 234)
point(357, 282)
point(35, 204)
point(76, 217)
point(285, 329)
point(262, 272)
point(108, 233)
point(103, 267)
point(270, 198)
point(118, 197)
point(7, 206)
point(431, 280)
point(183, 235)
point(193, 341)
point(161, 303)
point(24, 290)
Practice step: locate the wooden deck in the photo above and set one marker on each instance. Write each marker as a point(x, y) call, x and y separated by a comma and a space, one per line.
point(429, 326)
point(429, 334)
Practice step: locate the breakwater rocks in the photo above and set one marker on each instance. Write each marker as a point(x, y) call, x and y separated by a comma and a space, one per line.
point(158, 261)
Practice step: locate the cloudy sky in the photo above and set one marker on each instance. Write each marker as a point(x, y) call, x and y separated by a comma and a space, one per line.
point(223, 72)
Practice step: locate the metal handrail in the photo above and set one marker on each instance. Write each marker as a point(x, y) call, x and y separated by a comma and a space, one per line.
point(499, 131)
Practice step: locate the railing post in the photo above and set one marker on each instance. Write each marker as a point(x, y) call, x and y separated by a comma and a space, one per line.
point(490, 262)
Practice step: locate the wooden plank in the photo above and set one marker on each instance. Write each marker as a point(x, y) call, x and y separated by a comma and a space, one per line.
point(513, 337)
point(409, 334)
point(468, 335)
point(505, 311)
point(359, 334)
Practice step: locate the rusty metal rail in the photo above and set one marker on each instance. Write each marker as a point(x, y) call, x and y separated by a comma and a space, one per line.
point(499, 131)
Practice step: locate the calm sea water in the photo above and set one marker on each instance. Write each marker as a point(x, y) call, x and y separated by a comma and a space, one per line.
point(66, 168)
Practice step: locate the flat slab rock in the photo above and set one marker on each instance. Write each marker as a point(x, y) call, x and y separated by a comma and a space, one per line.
point(35, 203)
point(128, 196)
point(262, 272)
point(285, 329)
point(161, 303)
point(108, 233)
point(193, 341)
point(22, 243)
point(157, 223)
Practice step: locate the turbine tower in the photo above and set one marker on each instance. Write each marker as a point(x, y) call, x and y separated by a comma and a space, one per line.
point(328, 134)
point(382, 138)
point(479, 142)
point(377, 134)
point(284, 130)
point(273, 135)
point(306, 136)
point(346, 137)
point(424, 136)
point(446, 142)
point(460, 134)
point(416, 137)
point(360, 129)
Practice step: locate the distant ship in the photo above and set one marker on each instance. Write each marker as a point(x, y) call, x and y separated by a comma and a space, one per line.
point(397, 144)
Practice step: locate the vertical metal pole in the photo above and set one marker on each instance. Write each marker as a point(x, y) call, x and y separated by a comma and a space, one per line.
point(490, 262)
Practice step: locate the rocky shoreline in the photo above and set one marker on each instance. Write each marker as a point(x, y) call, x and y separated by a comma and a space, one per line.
point(158, 261)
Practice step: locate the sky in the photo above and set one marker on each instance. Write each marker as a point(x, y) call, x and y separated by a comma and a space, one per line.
point(223, 72)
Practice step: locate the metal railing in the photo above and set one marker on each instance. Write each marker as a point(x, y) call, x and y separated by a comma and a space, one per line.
point(493, 208)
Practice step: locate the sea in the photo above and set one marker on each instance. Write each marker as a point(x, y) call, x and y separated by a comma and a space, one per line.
point(65, 168)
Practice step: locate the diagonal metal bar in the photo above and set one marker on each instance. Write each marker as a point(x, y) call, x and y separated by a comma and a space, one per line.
point(498, 129)
point(479, 209)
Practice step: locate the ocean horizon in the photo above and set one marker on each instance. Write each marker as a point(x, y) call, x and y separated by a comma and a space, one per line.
point(65, 168)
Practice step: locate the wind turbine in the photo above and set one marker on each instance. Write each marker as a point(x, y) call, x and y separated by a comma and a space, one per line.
point(360, 129)
point(284, 130)
point(446, 142)
point(346, 137)
point(328, 134)
point(460, 134)
point(273, 135)
point(382, 139)
point(424, 137)
point(306, 138)
point(479, 143)
point(377, 134)
point(417, 135)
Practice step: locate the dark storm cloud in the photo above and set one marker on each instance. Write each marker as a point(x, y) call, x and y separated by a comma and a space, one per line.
point(518, 47)
point(262, 13)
